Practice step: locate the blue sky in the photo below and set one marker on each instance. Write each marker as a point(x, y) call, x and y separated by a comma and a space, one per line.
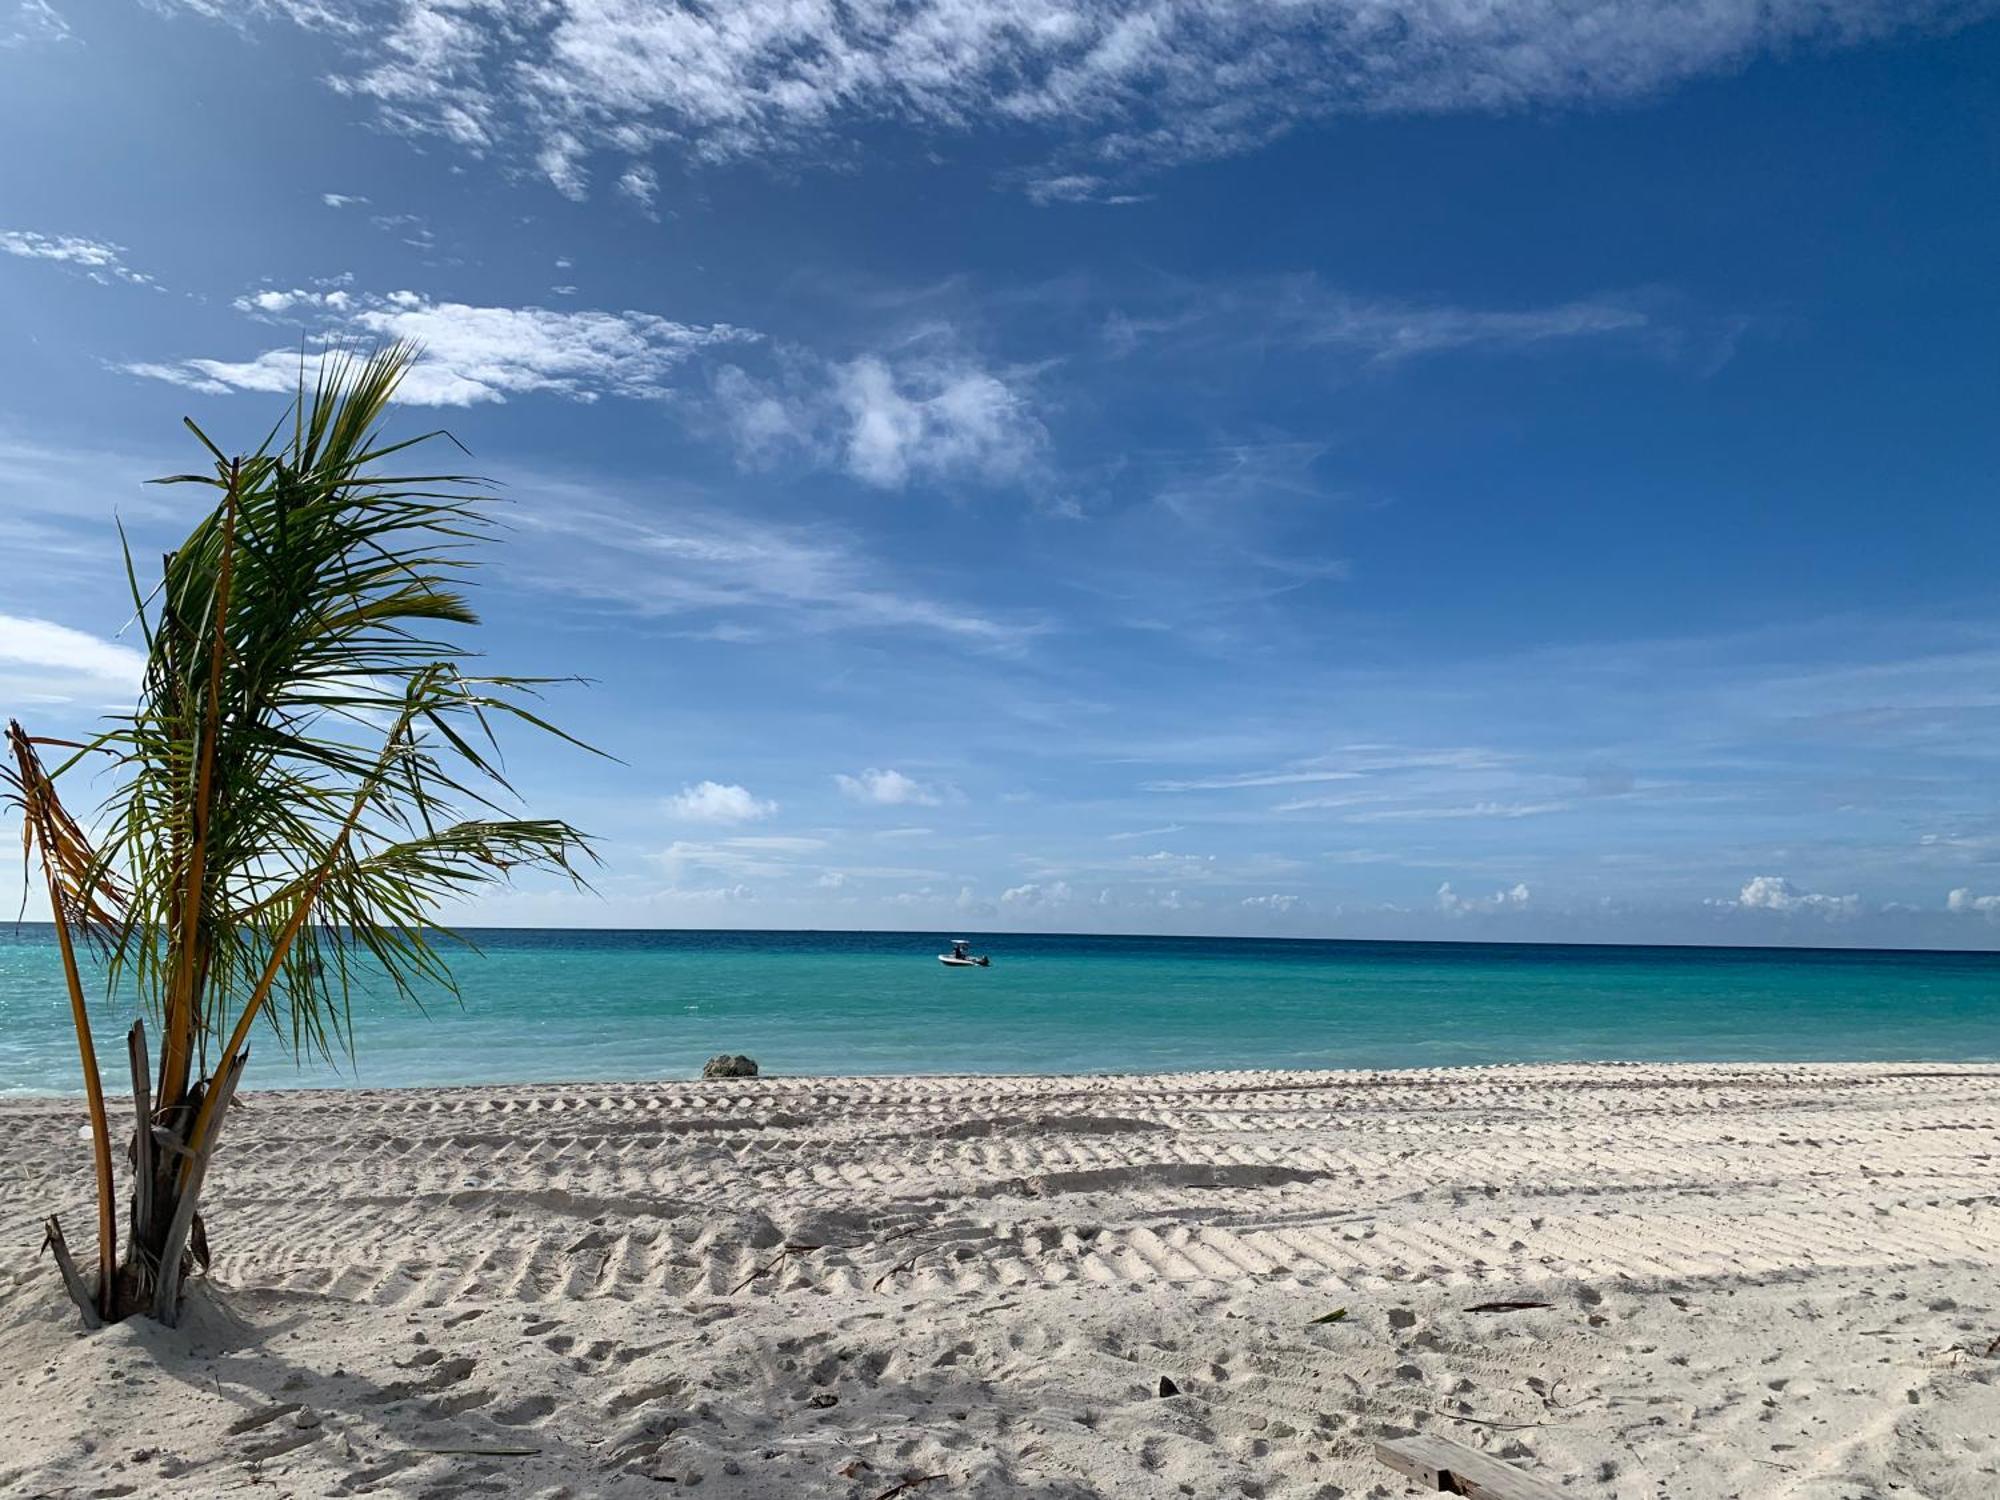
point(1490, 471)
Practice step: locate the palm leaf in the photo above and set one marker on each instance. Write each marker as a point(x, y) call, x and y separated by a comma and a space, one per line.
point(310, 774)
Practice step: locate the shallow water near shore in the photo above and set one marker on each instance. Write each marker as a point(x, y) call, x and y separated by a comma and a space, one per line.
point(555, 1005)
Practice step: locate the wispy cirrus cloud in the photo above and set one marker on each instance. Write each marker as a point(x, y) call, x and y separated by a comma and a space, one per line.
point(733, 577)
point(1482, 810)
point(471, 354)
point(1106, 86)
point(32, 23)
point(1301, 311)
point(1353, 763)
point(99, 260)
point(44, 662)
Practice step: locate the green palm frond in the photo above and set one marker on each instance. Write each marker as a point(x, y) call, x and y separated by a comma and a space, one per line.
point(310, 776)
point(305, 732)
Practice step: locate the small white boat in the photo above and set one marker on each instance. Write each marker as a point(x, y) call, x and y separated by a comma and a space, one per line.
point(959, 958)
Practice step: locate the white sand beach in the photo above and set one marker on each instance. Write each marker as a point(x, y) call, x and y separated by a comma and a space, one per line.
point(1763, 1281)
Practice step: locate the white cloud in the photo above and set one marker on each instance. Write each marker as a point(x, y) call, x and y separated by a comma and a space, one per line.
point(1393, 331)
point(719, 893)
point(777, 843)
point(887, 788)
point(1031, 894)
point(1475, 810)
point(33, 22)
point(1112, 84)
point(1164, 864)
point(273, 303)
point(1452, 904)
point(341, 200)
point(1350, 764)
point(735, 859)
point(745, 578)
point(1280, 902)
point(888, 419)
point(1962, 900)
point(470, 354)
point(1775, 893)
point(412, 229)
point(97, 259)
point(718, 802)
point(52, 663)
point(1046, 187)
point(641, 184)
point(932, 418)
point(1300, 311)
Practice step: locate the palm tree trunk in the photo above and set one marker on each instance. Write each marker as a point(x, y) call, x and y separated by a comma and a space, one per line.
point(184, 996)
point(172, 1255)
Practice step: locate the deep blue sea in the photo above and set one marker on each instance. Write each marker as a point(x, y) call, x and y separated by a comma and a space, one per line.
point(568, 1005)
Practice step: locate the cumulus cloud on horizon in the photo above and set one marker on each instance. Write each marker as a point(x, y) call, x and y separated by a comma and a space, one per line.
point(1056, 893)
point(1280, 902)
point(1510, 898)
point(1775, 893)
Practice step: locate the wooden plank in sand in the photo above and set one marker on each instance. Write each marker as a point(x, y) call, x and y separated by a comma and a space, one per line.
point(1439, 1463)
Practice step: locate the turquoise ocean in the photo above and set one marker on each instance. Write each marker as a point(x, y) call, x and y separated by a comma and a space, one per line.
point(572, 1005)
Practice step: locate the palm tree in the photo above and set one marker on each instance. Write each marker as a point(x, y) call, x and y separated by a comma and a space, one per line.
point(310, 774)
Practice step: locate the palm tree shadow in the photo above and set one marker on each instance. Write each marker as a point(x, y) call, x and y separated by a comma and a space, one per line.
point(316, 1421)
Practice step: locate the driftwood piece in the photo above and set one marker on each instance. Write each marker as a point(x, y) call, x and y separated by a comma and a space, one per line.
point(776, 1261)
point(912, 1482)
point(896, 1270)
point(1440, 1464)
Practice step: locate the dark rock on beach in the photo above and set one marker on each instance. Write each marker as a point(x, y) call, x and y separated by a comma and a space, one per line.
point(723, 1065)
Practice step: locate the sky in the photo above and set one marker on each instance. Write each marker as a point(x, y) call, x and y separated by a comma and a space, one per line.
point(1502, 471)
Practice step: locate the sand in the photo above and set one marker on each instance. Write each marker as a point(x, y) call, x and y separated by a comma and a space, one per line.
point(1764, 1281)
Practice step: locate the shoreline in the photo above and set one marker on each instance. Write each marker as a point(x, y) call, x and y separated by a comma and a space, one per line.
point(1193, 1077)
point(1759, 1279)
